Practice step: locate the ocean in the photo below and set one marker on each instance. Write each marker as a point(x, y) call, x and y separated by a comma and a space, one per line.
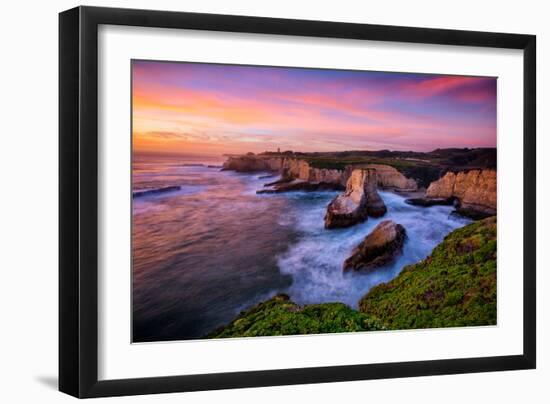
point(211, 248)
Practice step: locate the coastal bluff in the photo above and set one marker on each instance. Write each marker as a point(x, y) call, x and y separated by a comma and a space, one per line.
point(475, 190)
point(295, 168)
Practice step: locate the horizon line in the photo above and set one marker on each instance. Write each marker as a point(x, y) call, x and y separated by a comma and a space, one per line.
point(176, 154)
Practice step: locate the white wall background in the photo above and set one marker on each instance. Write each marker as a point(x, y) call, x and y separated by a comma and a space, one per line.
point(28, 200)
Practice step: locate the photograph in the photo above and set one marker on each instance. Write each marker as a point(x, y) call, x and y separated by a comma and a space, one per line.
point(274, 201)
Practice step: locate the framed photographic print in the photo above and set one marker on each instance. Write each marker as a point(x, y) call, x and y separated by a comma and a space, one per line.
point(251, 201)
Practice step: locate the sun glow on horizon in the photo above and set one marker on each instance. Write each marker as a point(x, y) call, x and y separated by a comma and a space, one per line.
point(212, 109)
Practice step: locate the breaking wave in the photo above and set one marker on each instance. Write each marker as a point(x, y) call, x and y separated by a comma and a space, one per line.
point(315, 260)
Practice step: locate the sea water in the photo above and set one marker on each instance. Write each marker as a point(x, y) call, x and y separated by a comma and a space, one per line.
point(205, 252)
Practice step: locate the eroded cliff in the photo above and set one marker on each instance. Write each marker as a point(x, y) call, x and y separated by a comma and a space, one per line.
point(475, 190)
point(300, 169)
point(390, 177)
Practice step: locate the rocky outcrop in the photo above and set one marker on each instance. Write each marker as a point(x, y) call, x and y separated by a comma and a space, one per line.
point(295, 168)
point(291, 168)
point(327, 175)
point(430, 201)
point(155, 191)
point(249, 163)
point(288, 167)
point(298, 185)
point(389, 177)
point(281, 316)
point(475, 191)
point(301, 170)
point(377, 249)
point(359, 201)
point(455, 286)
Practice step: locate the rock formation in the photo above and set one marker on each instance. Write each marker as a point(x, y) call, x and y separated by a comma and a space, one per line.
point(298, 185)
point(430, 201)
point(358, 201)
point(155, 191)
point(389, 177)
point(247, 163)
point(291, 168)
point(442, 290)
point(475, 191)
point(378, 248)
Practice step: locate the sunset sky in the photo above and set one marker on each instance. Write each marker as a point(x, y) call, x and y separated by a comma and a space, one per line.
point(209, 109)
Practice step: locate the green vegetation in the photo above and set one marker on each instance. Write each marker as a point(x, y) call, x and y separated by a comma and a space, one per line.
point(422, 171)
point(280, 316)
point(455, 286)
point(340, 163)
point(422, 167)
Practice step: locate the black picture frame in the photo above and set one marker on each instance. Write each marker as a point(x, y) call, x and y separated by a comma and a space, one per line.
point(78, 201)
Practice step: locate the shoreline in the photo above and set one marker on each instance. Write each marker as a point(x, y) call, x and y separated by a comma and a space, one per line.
point(401, 195)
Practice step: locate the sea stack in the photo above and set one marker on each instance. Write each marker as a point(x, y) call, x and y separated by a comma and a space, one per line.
point(359, 201)
point(377, 249)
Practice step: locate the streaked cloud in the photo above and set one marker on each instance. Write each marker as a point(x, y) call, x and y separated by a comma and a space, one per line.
point(215, 109)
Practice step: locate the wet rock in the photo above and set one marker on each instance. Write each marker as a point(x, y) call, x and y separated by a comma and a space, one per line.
point(156, 191)
point(298, 185)
point(377, 249)
point(474, 214)
point(430, 201)
point(359, 201)
point(282, 180)
point(475, 190)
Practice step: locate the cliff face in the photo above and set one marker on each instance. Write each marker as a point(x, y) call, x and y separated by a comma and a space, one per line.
point(476, 189)
point(288, 167)
point(300, 169)
point(358, 201)
point(391, 178)
point(247, 164)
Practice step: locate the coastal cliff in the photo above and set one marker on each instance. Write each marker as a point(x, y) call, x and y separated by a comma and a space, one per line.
point(475, 190)
point(287, 167)
point(294, 168)
point(389, 177)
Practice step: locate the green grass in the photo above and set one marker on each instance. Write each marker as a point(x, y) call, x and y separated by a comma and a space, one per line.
point(280, 316)
point(422, 167)
point(423, 172)
point(455, 286)
point(339, 163)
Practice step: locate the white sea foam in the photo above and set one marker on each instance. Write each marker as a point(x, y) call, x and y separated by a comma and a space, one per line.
point(315, 260)
point(214, 247)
